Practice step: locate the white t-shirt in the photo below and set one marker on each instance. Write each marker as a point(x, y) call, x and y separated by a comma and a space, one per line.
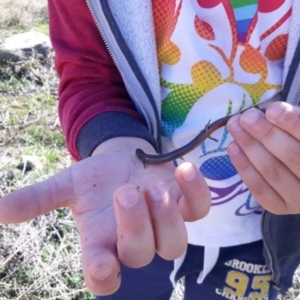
point(218, 58)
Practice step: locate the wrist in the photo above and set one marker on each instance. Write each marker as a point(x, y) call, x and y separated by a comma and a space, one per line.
point(108, 126)
point(123, 145)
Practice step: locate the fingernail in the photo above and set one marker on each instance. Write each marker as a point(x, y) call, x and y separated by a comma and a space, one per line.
point(251, 116)
point(275, 110)
point(233, 149)
point(189, 173)
point(234, 124)
point(102, 271)
point(128, 195)
point(157, 192)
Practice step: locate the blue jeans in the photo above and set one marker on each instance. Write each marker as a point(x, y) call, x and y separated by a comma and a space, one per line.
point(240, 273)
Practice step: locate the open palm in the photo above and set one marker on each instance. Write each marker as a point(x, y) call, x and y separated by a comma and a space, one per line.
point(123, 211)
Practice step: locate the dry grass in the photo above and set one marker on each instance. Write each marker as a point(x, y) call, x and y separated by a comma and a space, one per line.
point(38, 259)
point(22, 13)
point(42, 261)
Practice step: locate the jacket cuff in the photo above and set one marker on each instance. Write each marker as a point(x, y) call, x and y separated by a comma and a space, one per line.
point(109, 125)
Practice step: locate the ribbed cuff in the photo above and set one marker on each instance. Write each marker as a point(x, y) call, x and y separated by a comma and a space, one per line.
point(109, 125)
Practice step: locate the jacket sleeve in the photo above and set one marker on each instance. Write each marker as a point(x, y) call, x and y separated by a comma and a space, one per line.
point(93, 102)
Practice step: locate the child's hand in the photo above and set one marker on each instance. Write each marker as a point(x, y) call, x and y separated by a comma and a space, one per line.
point(122, 210)
point(266, 153)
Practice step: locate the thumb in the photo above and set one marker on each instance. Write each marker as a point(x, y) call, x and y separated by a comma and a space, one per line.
point(32, 201)
point(101, 270)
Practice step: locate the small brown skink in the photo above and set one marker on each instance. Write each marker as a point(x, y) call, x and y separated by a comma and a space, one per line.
point(155, 159)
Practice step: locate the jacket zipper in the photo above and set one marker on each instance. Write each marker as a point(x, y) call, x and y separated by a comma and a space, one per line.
point(108, 41)
point(294, 92)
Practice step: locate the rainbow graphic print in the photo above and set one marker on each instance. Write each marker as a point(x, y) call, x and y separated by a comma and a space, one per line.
point(218, 57)
point(244, 12)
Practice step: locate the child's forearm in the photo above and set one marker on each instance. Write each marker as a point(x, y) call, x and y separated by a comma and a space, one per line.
point(90, 84)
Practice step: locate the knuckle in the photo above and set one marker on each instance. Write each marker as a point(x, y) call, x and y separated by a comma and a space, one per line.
point(248, 142)
point(290, 120)
point(284, 208)
point(294, 157)
point(295, 126)
point(258, 189)
point(133, 229)
point(273, 172)
point(270, 132)
point(137, 260)
point(290, 207)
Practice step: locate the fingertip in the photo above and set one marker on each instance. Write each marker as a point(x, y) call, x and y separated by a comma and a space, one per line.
point(187, 171)
point(104, 280)
point(137, 260)
point(196, 200)
point(189, 176)
point(274, 110)
point(234, 149)
point(101, 271)
point(127, 195)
